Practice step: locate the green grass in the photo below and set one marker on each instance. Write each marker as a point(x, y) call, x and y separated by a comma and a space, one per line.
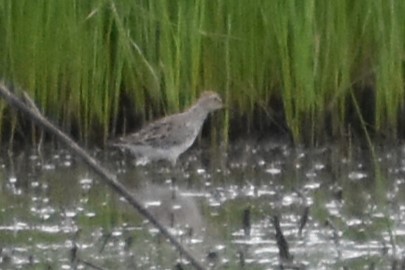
point(80, 60)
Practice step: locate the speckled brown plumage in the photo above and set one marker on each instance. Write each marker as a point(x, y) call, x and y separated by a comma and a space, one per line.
point(169, 137)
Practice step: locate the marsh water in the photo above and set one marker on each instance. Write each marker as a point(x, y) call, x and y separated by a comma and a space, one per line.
point(339, 207)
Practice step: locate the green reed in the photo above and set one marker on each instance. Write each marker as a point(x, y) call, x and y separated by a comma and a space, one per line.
point(80, 60)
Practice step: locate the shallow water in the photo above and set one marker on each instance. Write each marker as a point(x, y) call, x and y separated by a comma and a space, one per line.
point(56, 214)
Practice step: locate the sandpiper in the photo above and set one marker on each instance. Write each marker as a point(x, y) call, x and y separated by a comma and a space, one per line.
point(170, 136)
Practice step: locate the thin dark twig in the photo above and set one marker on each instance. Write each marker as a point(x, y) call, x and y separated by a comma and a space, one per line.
point(282, 244)
point(106, 237)
point(91, 265)
point(303, 220)
point(335, 233)
point(246, 222)
point(305, 215)
point(106, 176)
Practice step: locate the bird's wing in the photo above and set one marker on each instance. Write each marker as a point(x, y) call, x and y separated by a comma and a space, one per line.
point(156, 132)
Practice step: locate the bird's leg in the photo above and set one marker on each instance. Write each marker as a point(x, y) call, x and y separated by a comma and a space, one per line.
point(175, 173)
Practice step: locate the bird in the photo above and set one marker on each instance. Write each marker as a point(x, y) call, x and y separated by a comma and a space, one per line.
point(169, 137)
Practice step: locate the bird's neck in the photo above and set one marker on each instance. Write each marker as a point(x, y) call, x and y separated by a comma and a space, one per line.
point(197, 110)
